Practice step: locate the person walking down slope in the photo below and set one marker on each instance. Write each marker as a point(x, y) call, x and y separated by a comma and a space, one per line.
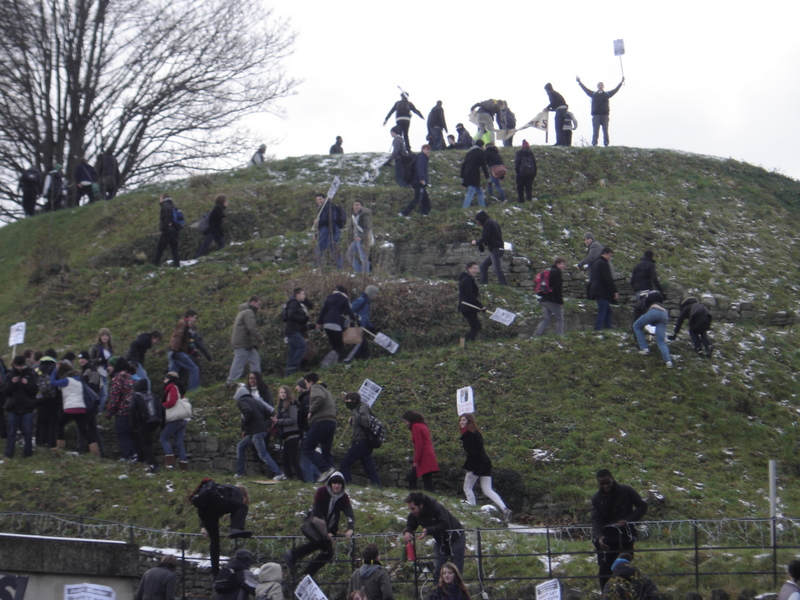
point(478, 464)
point(469, 304)
point(169, 229)
point(420, 185)
point(492, 238)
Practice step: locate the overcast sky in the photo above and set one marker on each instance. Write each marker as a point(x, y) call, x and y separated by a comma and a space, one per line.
point(707, 77)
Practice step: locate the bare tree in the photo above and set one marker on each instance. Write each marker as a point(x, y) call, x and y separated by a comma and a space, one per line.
point(160, 83)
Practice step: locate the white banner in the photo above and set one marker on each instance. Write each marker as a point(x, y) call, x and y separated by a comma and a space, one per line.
point(309, 590)
point(369, 392)
point(17, 334)
point(503, 316)
point(384, 341)
point(465, 401)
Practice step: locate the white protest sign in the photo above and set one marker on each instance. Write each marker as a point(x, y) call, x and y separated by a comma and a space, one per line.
point(369, 392)
point(465, 401)
point(503, 316)
point(334, 188)
point(309, 590)
point(619, 47)
point(88, 591)
point(549, 590)
point(17, 334)
point(384, 341)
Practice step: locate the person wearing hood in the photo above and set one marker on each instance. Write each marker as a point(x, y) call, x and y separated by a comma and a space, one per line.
point(469, 304)
point(169, 232)
point(492, 238)
point(159, 582)
point(331, 318)
point(361, 237)
point(245, 340)
point(19, 391)
point(119, 404)
point(627, 582)
point(474, 163)
point(360, 449)
point(525, 170)
point(66, 377)
point(699, 325)
point(239, 581)
point(330, 502)
point(270, 580)
point(147, 415)
point(371, 577)
point(256, 422)
point(213, 501)
point(362, 306)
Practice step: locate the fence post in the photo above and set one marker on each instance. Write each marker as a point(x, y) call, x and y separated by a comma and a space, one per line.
point(549, 554)
point(696, 559)
point(774, 526)
point(480, 555)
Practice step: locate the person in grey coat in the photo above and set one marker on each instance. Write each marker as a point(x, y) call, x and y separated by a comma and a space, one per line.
point(371, 577)
point(159, 582)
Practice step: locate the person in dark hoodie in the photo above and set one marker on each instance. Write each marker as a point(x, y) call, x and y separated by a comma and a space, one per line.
point(169, 232)
point(330, 502)
point(256, 422)
point(371, 577)
point(469, 304)
point(420, 185)
point(214, 232)
point(144, 423)
point(492, 238)
point(552, 300)
point(603, 289)
point(643, 277)
point(297, 319)
point(474, 163)
point(237, 581)
point(449, 541)
point(19, 390)
point(159, 582)
point(331, 319)
point(359, 448)
point(525, 170)
point(496, 171)
point(699, 325)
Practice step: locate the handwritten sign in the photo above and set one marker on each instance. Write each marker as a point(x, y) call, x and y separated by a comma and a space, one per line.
point(503, 316)
point(384, 341)
point(619, 47)
point(309, 590)
point(549, 590)
point(17, 334)
point(465, 401)
point(369, 392)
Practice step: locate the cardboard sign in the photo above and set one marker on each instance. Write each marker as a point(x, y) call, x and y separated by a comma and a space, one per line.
point(465, 401)
point(619, 47)
point(503, 316)
point(89, 591)
point(384, 341)
point(309, 590)
point(334, 188)
point(549, 590)
point(17, 334)
point(369, 392)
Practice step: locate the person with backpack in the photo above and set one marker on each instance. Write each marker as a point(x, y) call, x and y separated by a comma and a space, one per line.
point(256, 422)
point(361, 307)
point(213, 501)
point(295, 315)
point(525, 170)
point(108, 174)
point(497, 171)
point(474, 163)
point(402, 110)
point(236, 581)
point(119, 404)
point(74, 406)
point(552, 298)
point(147, 415)
point(19, 391)
point(330, 503)
point(174, 427)
point(289, 430)
point(360, 448)
point(507, 120)
point(400, 155)
point(360, 227)
point(419, 183)
point(329, 223)
point(371, 577)
point(492, 239)
point(85, 178)
point(169, 224)
point(214, 231)
point(30, 184)
point(54, 191)
point(48, 401)
point(653, 312)
point(699, 325)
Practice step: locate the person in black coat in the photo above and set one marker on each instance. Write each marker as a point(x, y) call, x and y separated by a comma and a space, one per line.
point(30, 184)
point(297, 319)
point(402, 110)
point(699, 324)
point(19, 391)
point(559, 105)
point(493, 159)
point(469, 304)
point(337, 147)
point(552, 300)
point(436, 124)
point(478, 464)
point(644, 275)
point(239, 580)
point(492, 238)
point(525, 170)
point(256, 423)
point(221, 499)
point(474, 163)
point(108, 175)
point(214, 231)
point(600, 109)
point(138, 349)
point(603, 289)
point(331, 318)
point(615, 508)
point(420, 185)
point(464, 141)
point(84, 176)
point(169, 232)
point(449, 541)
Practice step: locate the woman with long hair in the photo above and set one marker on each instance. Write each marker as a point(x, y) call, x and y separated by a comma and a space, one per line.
point(289, 432)
point(99, 354)
point(73, 405)
point(425, 464)
point(258, 388)
point(451, 585)
point(173, 391)
point(478, 464)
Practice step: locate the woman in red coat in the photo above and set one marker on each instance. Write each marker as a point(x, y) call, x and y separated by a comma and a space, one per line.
point(425, 464)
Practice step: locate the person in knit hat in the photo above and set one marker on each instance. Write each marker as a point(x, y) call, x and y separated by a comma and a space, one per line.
point(525, 169)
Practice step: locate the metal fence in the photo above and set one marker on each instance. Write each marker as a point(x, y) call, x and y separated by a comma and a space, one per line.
point(506, 563)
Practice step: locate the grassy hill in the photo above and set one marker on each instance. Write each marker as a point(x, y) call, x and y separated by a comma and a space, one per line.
point(695, 439)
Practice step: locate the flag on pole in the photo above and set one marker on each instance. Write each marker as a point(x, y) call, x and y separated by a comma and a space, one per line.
point(539, 121)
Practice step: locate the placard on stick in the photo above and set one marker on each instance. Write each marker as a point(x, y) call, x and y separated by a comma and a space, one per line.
point(17, 334)
point(387, 343)
point(619, 47)
point(503, 316)
point(334, 188)
point(369, 392)
point(549, 590)
point(465, 401)
point(309, 590)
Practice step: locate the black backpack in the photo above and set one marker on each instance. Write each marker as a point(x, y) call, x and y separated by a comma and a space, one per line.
point(410, 163)
point(147, 407)
point(339, 216)
point(377, 432)
point(527, 166)
point(226, 581)
point(31, 179)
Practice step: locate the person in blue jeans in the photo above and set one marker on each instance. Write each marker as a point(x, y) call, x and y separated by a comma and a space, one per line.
point(322, 421)
point(658, 316)
point(178, 353)
point(19, 392)
point(176, 429)
point(359, 448)
point(602, 288)
point(256, 421)
point(328, 232)
point(474, 163)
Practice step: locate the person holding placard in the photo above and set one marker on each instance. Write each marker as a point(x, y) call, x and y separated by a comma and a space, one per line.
point(469, 304)
point(359, 448)
point(600, 108)
point(478, 464)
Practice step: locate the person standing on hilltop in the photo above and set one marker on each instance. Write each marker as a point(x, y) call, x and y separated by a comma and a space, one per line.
point(436, 124)
point(108, 175)
point(559, 105)
point(258, 156)
point(402, 110)
point(337, 147)
point(600, 108)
